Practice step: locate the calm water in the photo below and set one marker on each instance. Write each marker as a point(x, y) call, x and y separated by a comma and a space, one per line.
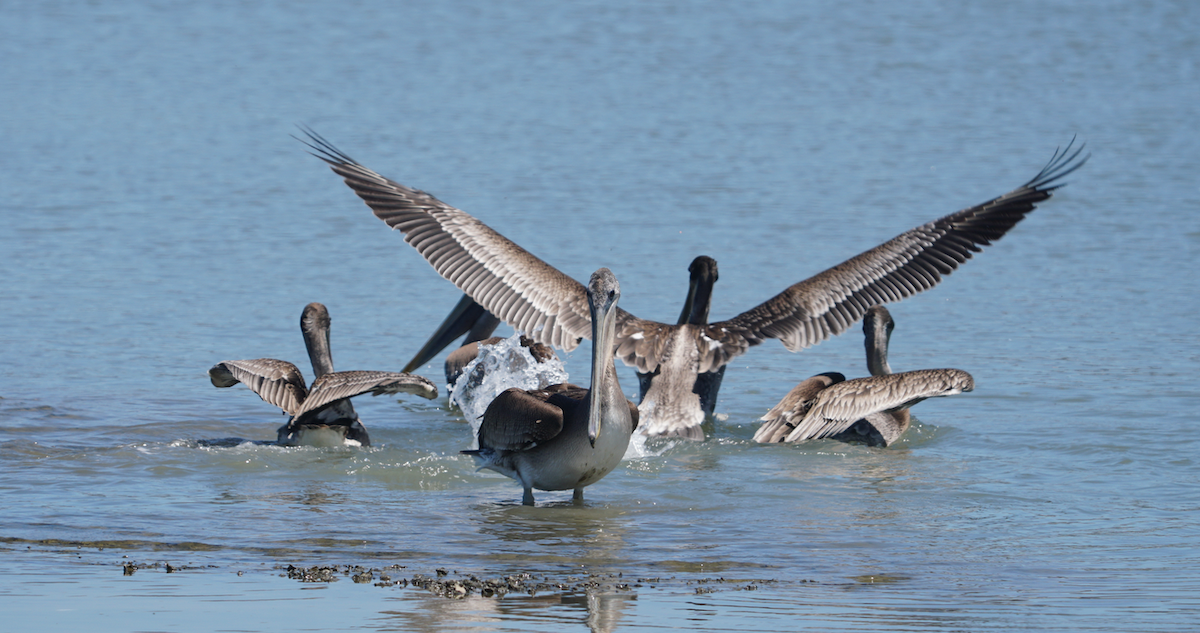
point(158, 218)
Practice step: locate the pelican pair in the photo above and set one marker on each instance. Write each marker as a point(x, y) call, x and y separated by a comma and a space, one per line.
point(550, 307)
point(321, 415)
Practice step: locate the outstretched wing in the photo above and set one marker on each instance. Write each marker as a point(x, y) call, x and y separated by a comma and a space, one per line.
point(275, 381)
point(340, 385)
point(549, 306)
point(914, 261)
point(504, 278)
point(785, 416)
point(839, 406)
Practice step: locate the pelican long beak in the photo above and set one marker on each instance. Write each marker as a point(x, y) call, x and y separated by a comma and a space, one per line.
point(604, 325)
point(467, 316)
point(602, 359)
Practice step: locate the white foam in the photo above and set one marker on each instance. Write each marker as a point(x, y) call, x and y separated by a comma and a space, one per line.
point(498, 367)
point(508, 364)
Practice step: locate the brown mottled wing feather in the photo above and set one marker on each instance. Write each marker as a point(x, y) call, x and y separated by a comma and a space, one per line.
point(841, 405)
point(830, 302)
point(784, 417)
point(641, 343)
point(518, 419)
point(524, 291)
point(346, 384)
point(275, 381)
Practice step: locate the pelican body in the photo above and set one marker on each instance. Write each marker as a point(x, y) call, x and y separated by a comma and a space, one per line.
point(321, 415)
point(871, 410)
point(564, 437)
point(534, 297)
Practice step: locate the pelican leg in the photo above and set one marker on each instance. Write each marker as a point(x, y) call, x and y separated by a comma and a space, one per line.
point(578, 496)
point(527, 500)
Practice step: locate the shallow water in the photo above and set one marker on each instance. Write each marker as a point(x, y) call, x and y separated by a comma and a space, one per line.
point(158, 218)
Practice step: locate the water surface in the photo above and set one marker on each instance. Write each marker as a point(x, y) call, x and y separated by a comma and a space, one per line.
point(158, 218)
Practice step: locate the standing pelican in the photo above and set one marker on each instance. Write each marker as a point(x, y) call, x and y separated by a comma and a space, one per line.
point(536, 298)
point(321, 415)
point(872, 410)
point(468, 315)
point(564, 437)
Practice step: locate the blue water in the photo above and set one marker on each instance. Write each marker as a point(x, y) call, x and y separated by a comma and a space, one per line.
point(158, 218)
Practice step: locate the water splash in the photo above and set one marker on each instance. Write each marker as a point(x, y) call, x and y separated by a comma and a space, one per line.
point(498, 367)
point(509, 364)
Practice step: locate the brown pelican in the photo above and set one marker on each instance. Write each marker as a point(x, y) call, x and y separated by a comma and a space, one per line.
point(564, 437)
point(321, 415)
point(872, 410)
point(467, 316)
point(536, 298)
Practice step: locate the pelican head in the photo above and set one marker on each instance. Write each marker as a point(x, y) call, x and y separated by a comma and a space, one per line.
point(603, 292)
point(703, 275)
point(877, 333)
point(314, 324)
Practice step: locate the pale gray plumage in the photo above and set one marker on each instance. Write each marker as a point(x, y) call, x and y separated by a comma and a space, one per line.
point(536, 298)
point(564, 437)
point(873, 410)
point(323, 411)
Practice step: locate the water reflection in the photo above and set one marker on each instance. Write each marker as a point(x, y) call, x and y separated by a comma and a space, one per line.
point(604, 611)
point(580, 534)
point(600, 612)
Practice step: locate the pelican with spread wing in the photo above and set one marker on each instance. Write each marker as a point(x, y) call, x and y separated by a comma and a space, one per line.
point(551, 307)
point(871, 410)
point(321, 415)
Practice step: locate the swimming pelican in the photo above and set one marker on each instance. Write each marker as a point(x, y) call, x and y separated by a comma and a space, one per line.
point(467, 315)
point(536, 298)
point(564, 437)
point(872, 410)
point(321, 415)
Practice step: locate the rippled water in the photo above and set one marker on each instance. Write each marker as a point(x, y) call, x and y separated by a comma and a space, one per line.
point(158, 219)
